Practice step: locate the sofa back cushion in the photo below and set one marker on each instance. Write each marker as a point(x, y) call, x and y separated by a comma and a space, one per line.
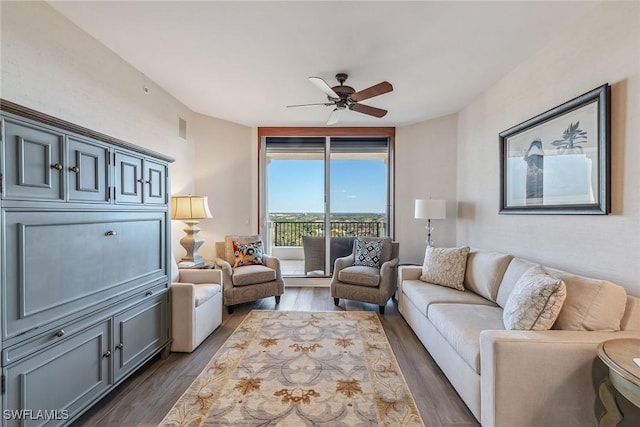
point(631, 318)
point(591, 304)
point(515, 270)
point(484, 272)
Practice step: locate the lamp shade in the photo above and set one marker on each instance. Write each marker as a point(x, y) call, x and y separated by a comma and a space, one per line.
point(430, 209)
point(190, 207)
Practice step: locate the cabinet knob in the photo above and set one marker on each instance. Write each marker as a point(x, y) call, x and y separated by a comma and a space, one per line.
point(57, 166)
point(120, 346)
point(149, 293)
point(111, 233)
point(141, 181)
point(60, 333)
point(74, 169)
point(107, 354)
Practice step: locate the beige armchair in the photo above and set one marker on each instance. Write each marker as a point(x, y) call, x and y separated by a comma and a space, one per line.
point(367, 283)
point(247, 282)
point(196, 306)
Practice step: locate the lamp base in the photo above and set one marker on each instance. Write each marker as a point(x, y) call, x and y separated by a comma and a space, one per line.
point(191, 242)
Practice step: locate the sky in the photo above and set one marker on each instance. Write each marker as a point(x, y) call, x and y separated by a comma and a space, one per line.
point(357, 186)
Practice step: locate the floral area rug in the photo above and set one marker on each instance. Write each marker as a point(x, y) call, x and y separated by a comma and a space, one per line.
point(288, 368)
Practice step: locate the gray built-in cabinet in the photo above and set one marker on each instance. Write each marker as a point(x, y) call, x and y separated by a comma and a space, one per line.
point(84, 300)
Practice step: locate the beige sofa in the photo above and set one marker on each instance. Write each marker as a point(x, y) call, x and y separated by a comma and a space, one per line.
point(517, 378)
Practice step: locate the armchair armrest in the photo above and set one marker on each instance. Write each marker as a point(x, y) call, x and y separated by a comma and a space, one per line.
point(272, 262)
point(225, 267)
point(558, 365)
point(200, 276)
point(388, 281)
point(343, 262)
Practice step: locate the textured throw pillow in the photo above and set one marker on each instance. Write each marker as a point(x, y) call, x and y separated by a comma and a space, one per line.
point(445, 266)
point(535, 301)
point(247, 253)
point(368, 253)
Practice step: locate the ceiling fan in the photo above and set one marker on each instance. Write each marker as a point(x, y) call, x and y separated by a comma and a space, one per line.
point(343, 97)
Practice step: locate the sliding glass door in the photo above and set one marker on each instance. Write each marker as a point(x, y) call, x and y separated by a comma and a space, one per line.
point(321, 192)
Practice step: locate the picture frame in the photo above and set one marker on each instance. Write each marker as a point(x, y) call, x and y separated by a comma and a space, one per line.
point(559, 161)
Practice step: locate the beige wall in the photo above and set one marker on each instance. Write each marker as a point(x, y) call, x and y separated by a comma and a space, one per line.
point(225, 170)
point(50, 65)
point(425, 167)
point(602, 47)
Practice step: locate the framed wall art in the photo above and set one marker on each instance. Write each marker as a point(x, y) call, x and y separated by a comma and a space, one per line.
point(559, 161)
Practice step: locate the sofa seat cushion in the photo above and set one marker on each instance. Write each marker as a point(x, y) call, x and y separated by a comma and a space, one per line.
point(204, 292)
point(252, 274)
point(423, 295)
point(360, 275)
point(460, 325)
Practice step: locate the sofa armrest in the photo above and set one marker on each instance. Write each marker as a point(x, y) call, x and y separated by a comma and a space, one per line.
point(560, 366)
point(200, 276)
point(272, 262)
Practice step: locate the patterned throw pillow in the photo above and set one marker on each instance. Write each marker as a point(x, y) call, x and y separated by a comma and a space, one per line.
point(535, 301)
point(445, 266)
point(247, 253)
point(368, 253)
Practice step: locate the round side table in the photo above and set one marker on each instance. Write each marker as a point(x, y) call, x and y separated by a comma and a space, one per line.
point(624, 377)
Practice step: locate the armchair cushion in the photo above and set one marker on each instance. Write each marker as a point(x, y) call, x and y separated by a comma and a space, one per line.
point(360, 275)
point(368, 253)
point(228, 254)
point(252, 274)
point(247, 253)
point(205, 292)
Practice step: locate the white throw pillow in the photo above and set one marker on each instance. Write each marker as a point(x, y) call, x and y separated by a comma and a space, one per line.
point(445, 266)
point(535, 302)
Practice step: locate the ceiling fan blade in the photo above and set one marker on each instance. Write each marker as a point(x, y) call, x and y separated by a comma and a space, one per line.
point(372, 91)
point(365, 109)
point(323, 86)
point(335, 116)
point(325, 104)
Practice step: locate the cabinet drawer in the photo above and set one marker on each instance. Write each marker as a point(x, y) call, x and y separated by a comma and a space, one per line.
point(139, 332)
point(62, 379)
point(58, 263)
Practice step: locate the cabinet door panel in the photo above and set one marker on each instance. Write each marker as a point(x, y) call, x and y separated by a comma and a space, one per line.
point(33, 162)
point(155, 183)
point(87, 166)
point(61, 262)
point(128, 178)
point(139, 332)
point(63, 378)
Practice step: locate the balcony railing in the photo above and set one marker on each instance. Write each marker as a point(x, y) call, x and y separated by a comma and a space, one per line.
point(289, 233)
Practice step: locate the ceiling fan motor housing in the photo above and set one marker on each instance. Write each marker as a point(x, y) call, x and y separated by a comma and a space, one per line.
point(342, 91)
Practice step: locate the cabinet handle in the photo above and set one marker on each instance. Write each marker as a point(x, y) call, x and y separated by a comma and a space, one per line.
point(74, 169)
point(57, 166)
point(141, 181)
point(120, 346)
point(149, 293)
point(60, 333)
point(111, 233)
point(107, 354)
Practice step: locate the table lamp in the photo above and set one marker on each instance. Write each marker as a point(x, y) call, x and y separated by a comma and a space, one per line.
point(430, 209)
point(191, 209)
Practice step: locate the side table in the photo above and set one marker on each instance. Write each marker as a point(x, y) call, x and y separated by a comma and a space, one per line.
point(206, 266)
point(624, 377)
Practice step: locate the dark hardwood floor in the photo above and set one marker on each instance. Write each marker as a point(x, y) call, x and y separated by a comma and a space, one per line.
point(145, 398)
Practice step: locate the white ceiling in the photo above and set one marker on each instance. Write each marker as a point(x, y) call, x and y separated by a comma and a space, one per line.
point(245, 61)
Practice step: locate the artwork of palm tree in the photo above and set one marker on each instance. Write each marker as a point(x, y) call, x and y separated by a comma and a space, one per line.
point(572, 139)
